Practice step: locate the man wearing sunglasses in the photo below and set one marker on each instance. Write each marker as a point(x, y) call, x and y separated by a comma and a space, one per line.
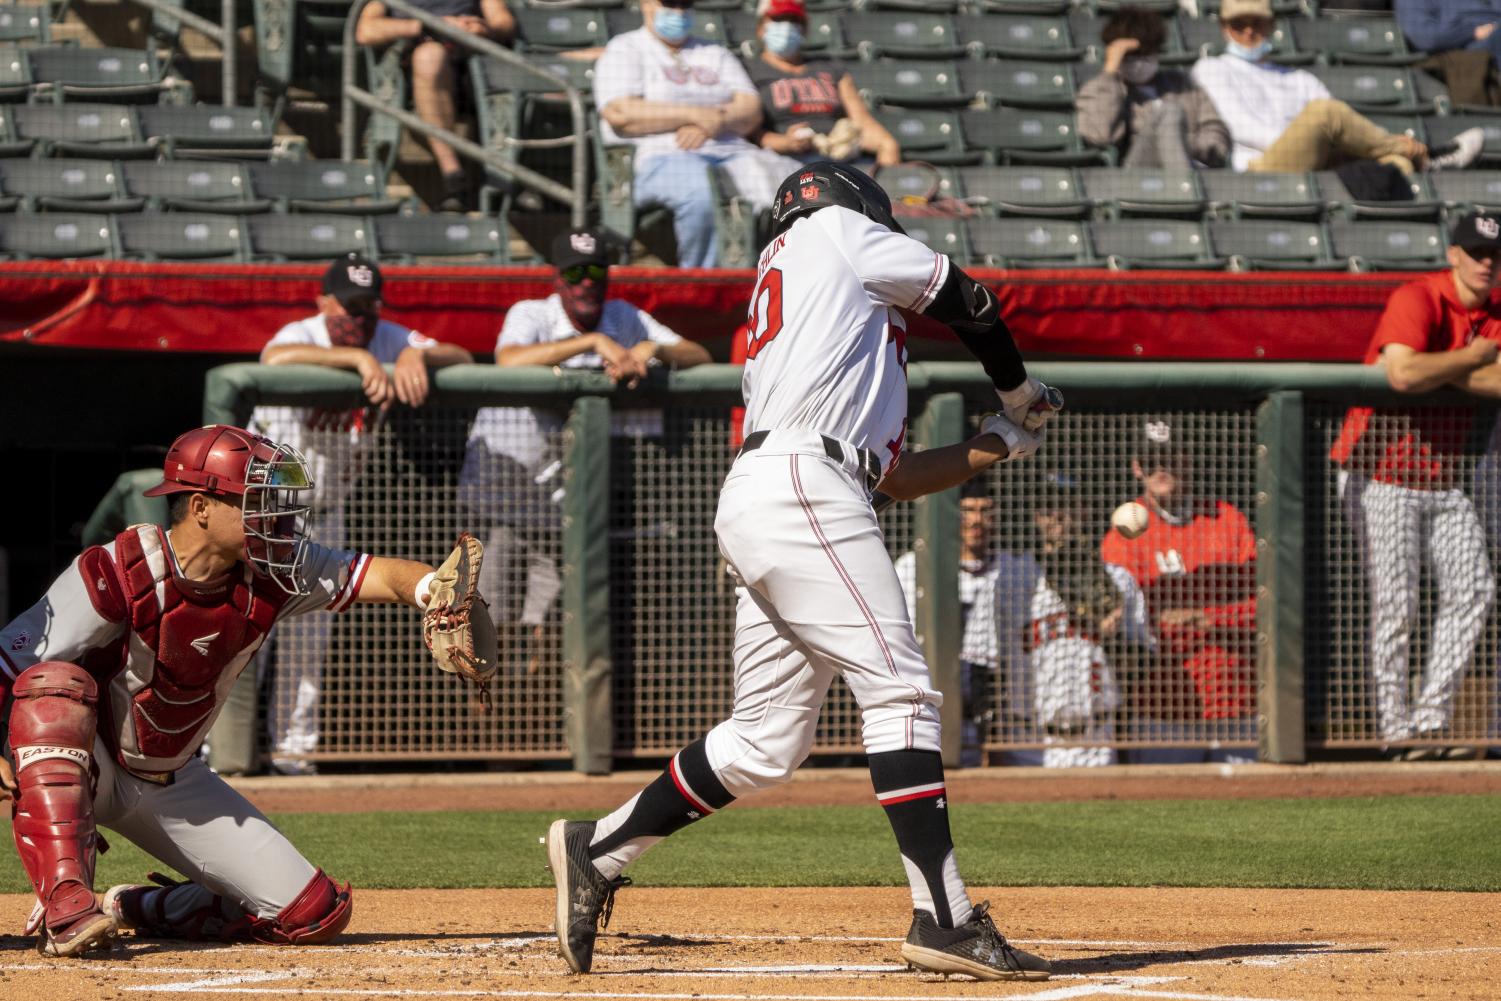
point(1285, 120)
point(511, 479)
point(347, 332)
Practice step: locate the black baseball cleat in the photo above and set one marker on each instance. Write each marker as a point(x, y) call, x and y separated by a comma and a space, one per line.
point(585, 897)
point(975, 949)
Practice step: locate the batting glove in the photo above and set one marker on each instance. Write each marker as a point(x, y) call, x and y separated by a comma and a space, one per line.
point(1020, 442)
point(1030, 405)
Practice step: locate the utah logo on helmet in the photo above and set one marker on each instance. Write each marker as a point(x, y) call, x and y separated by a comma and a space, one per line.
point(824, 184)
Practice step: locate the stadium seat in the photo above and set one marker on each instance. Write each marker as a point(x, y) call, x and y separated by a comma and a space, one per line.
point(1211, 8)
point(1154, 243)
point(916, 182)
point(903, 35)
point(450, 237)
point(1375, 41)
point(15, 74)
point(910, 84)
point(1442, 129)
point(1014, 135)
point(1389, 246)
point(56, 235)
point(193, 186)
point(11, 143)
point(1049, 7)
point(559, 29)
point(67, 185)
point(188, 130)
point(1272, 245)
point(1468, 189)
point(92, 130)
point(513, 106)
point(927, 134)
point(914, 6)
point(100, 73)
point(941, 233)
point(553, 4)
point(1261, 195)
point(1031, 243)
point(1028, 191)
point(1019, 36)
point(343, 187)
point(307, 237)
point(29, 23)
point(1383, 89)
point(182, 236)
point(1116, 191)
point(301, 42)
point(1018, 84)
point(1421, 207)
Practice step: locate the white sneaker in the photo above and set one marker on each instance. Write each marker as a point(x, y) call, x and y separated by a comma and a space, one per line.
point(1458, 153)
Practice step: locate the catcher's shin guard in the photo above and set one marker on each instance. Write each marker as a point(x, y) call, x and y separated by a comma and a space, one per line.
point(189, 912)
point(52, 726)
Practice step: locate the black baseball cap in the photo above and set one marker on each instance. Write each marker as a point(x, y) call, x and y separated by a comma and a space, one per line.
point(352, 278)
point(1478, 231)
point(1159, 441)
point(579, 246)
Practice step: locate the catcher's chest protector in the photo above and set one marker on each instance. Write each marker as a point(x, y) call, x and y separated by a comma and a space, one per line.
point(183, 652)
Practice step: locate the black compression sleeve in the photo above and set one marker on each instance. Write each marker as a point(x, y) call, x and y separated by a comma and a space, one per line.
point(971, 311)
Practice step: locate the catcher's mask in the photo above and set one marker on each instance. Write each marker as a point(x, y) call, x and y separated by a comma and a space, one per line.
point(825, 183)
point(269, 481)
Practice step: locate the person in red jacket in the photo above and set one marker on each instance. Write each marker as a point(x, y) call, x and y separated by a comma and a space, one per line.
point(1196, 564)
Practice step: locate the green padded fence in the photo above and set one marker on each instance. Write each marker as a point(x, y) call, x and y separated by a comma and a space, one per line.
point(617, 615)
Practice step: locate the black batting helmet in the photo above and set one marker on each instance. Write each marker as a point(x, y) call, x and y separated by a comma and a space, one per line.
point(821, 184)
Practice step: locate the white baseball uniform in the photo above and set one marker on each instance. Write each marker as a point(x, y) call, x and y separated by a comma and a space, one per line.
point(334, 443)
point(165, 666)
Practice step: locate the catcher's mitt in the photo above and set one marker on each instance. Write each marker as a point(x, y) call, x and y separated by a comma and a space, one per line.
point(456, 625)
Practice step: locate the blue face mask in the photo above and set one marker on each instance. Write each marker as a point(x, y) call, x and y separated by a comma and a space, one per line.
point(783, 38)
point(672, 25)
point(1252, 54)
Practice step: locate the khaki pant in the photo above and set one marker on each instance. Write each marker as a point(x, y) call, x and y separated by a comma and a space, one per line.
point(1328, 132)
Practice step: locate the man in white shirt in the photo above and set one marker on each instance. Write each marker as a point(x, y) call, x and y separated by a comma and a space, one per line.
point(1284, 119)
point(686, 105)
point(512, 475)
point(347, 332)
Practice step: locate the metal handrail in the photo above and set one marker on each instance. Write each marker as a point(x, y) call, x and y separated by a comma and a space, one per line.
point(224, 33)
point(575, 197)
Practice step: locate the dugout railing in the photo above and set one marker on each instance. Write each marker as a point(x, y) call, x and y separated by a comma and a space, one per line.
point(617, 614)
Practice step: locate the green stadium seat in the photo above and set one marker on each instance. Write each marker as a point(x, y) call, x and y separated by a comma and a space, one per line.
point(338, 186)
point(910, 83)
point(1389, 246)
point(193, 185)
point(67, 185)
point(1262, 195)
point(1443, 128)
point(513, 106)
point(1383, 89)
point(915, 6)
point(182, 236)
point(1024, 191)
point(917, 182)
point(1468, 189)
point(84, 129)
point(1272, 245)
point(1049, 7)
point(1018, 84)
point(448, 237)
point(1352, 40)
point(56, 235)
point(25, 23)
point(1406, 125)
point(307, 237)
point(103, 73)
point(188, 130)
point(11, 143)
point(1423, 206)
point(301, 42)
point(1031, 243)
point(926, 134)
point(1129, 244)
point(1142, 191)
point(1019, 36)
point(1015, 135)
point(559, 29)
point(15, 73)
point(903, 35)
point(941, 233)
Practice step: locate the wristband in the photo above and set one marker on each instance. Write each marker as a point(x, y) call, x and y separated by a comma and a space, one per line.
point(424, 589)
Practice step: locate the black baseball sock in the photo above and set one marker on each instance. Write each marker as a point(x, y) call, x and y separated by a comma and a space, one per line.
point(909, 786)
point(687, 790)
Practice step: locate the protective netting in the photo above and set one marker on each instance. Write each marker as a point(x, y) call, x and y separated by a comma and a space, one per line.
point(1404, 511)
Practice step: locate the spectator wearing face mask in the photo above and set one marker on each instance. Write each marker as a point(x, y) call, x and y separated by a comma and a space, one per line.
point(687, 106)
point(811, 110)
point(1152, 116)
point(1284, 119)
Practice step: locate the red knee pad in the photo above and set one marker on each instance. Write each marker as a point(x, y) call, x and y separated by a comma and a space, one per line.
point(316, 915)
point(52, 726)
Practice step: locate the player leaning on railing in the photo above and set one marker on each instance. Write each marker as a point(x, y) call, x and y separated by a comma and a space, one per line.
point(118, 673)
point(826, 414)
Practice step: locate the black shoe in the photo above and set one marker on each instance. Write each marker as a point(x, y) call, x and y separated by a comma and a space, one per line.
point(455, 192)
point(975, 949)
point(585, 897)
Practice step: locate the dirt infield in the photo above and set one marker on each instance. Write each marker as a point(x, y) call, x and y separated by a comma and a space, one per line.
point(769, 945)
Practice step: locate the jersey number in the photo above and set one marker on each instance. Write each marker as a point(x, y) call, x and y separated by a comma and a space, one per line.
point(769, 286)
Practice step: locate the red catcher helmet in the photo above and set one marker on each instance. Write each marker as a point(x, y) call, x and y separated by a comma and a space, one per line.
point(269, 480)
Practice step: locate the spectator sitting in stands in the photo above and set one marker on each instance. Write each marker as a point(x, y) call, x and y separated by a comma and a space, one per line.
point(1463, 45)
point(812, 109)
point(1155, 117)
point(432, 64)
point(686, 105)
point(1284, 119)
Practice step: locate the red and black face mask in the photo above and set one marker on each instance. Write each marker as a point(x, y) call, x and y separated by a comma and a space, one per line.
point(352, 329)
point(582, 288)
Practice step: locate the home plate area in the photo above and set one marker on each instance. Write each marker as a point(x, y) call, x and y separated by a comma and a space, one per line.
point(829, 944)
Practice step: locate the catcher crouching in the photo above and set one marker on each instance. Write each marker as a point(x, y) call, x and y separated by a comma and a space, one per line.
point(117, 674)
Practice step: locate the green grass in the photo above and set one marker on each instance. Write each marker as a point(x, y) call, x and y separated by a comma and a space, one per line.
point(1397, 843)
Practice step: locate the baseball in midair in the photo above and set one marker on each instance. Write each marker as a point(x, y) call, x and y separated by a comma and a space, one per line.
point(1130, 519)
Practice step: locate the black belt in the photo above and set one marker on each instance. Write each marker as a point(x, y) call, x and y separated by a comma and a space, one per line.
point(869, 464)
